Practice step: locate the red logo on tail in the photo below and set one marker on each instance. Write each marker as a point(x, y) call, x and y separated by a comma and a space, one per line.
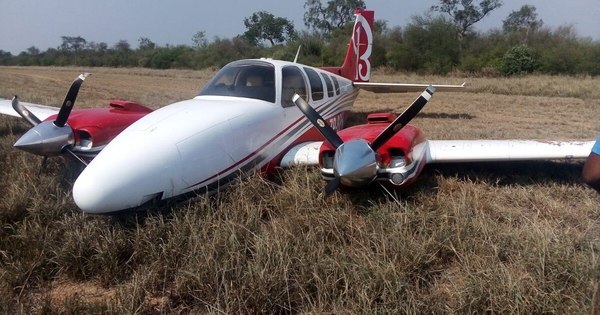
point(362, 39)
point(357, 64)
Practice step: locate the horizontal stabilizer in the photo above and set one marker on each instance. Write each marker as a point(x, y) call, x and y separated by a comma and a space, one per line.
point(449, 151)
point(40, 111)
point(405, 87)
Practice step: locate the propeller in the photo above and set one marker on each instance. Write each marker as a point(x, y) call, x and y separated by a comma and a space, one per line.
point(48, 138)
point(67, 106)
point(355, 161)
point(318, 121)
point(24, 112)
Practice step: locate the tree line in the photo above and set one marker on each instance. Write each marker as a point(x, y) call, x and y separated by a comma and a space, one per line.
point(438, 42)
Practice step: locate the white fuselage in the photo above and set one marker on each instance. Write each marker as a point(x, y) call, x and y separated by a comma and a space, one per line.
point(198, 145)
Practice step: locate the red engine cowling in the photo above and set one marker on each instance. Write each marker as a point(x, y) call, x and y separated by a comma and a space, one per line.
point(400, 145)
point(95, 127)
point(396, 167)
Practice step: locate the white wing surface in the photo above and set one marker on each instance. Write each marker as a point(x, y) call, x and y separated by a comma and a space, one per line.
point(405, 87)
point(448, 151)
point(40, 111)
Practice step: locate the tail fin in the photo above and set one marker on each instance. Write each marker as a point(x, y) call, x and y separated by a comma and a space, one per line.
point(357, 64)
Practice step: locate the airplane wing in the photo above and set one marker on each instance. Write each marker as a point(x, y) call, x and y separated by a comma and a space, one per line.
point(449, 151)
point(40, 111)
point(405, 87)
point(454, 151)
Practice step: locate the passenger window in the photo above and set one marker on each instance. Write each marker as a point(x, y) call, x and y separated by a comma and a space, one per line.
point(327, 80)
point(337, 85)
point(292, 82)
point(316, 85)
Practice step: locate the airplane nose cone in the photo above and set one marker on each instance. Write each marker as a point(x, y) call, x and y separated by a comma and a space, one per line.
point(45, 139)
point(355, 163)
point(127, 174)
point(31, 142)
point(88, 196)
point(95, 197)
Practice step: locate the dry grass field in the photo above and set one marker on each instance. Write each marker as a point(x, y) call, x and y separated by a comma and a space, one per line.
point(480, 238)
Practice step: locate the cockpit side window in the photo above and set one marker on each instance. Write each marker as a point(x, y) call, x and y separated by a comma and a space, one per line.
point(249, 79)
point(292, 82)
point(337, 84)
point(316, 85)
point(329, 84)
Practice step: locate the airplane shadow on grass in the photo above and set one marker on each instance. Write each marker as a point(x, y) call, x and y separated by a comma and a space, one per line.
point(512, 173)
point(499, 174)
point(357, 118)
point(446, 116)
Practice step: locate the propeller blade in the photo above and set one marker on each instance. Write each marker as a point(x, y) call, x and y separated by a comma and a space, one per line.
point(331, 186)
point(318, 121)
point(65, 109)
point(24, 112)
point(403, 119)
point(43, 165)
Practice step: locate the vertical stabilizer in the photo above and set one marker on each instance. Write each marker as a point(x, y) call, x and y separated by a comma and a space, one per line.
point(357, 64)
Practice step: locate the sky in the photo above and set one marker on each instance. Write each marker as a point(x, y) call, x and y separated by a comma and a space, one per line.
point(26, 23)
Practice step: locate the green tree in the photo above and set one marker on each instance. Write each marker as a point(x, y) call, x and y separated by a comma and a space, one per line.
point(519, 60)
point(33, 51)
point(561, 50)
point(72, 46)
point(311, 50)
point(146, 44)
point(429, 44)
point(464, 13)
point(222, 51)
point(522, 22)
point(122, 46)
point(334, 15)
point(122, 55)
point(97, 47)
point(5, 57)
point(263, 25)
point(72, 43)
point(199, 39)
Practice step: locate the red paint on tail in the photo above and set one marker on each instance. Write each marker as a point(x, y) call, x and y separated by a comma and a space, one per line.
point(357, 64)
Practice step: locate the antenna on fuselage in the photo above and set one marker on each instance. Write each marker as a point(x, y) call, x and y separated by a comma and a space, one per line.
point(297, 54)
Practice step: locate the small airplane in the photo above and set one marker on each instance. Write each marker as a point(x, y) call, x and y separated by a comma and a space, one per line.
point(255, 115)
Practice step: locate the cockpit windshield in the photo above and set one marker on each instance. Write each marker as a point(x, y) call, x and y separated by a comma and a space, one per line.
point(248, 78)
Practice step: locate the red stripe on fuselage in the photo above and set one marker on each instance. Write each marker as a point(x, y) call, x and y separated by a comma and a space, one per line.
point(249, 155)
point(309, 135)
